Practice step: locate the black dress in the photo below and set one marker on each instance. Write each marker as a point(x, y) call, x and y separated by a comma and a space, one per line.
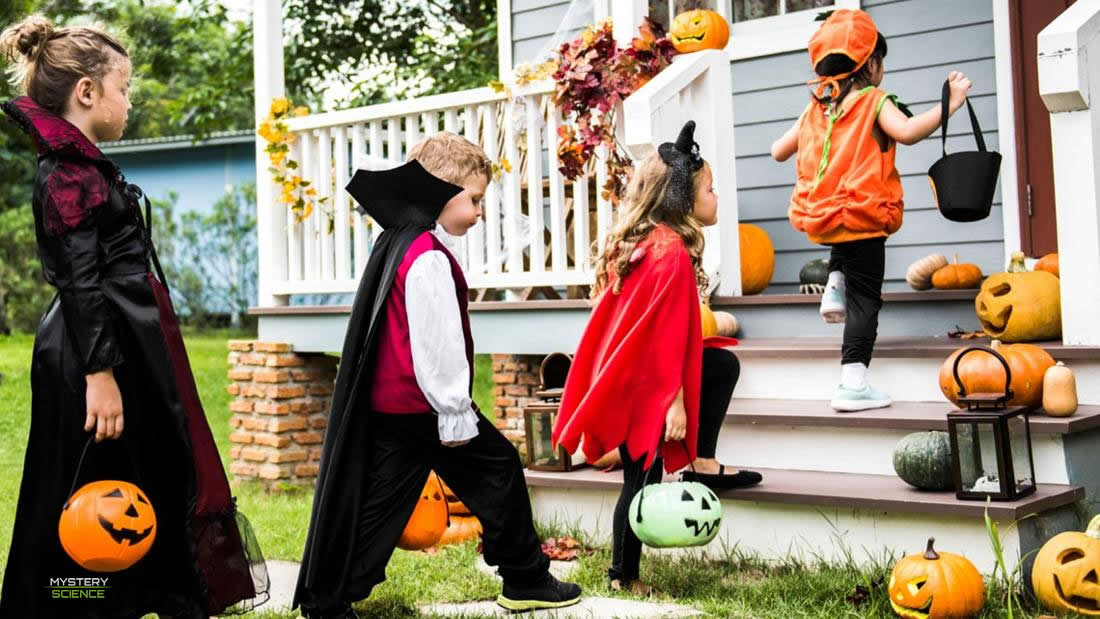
point(111, 311)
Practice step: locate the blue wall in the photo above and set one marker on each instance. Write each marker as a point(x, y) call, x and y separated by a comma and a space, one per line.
point(198, 174)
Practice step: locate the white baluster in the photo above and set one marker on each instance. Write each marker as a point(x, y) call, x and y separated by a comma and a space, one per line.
point(475, 241)
point(511, 193)
point(342, 247)
point(603, 205)
point(493, 195)
point(393, 140)
point(325, 209)
point(431, 124)
point(580, 224)
point(450, 120)
point(310, 268)
point(412, 132)
point(293, 226)
point(358, 145)
point(537, 247)
point(557, 192)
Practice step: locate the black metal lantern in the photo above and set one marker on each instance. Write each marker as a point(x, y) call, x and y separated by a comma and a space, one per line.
point(539, 417)
point(990, 442)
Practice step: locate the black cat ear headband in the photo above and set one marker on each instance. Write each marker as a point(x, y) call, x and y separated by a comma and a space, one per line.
point(683, 160)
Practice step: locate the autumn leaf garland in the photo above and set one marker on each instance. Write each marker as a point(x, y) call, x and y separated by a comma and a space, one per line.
point(594, 75)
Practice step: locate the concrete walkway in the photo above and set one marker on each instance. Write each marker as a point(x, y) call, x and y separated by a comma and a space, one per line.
point(283, 576)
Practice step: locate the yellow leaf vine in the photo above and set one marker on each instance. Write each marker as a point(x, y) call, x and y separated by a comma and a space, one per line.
point(296, 193)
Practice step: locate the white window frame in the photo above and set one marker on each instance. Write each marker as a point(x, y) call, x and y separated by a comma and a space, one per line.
point(766, 36)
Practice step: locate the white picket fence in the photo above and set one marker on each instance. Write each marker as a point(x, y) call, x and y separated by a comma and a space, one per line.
point(327, 251)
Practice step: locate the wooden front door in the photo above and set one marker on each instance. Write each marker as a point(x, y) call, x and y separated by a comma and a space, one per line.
point(1038, 229)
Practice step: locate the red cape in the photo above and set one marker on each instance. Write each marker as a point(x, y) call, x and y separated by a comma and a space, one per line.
point(639, 348)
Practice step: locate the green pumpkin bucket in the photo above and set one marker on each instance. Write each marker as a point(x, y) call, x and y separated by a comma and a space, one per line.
point(675, 515)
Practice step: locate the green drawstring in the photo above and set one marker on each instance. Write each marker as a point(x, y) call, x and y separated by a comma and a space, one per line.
point(834, 115)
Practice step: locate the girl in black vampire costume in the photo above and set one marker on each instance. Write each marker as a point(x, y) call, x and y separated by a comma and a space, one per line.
point(402, 403)
point(109, 361)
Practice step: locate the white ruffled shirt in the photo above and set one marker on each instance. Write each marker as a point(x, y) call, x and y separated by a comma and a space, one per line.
point(438, 344)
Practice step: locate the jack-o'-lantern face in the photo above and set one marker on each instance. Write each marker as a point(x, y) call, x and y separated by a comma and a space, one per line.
point(692, 31)
point(429, 517)
point(1020, 307)
point(930, 585)
point(1065, 573)
point(676, 515)
point(107, 526)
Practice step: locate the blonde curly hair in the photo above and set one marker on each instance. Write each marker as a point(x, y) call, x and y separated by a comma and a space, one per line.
point(640, 213)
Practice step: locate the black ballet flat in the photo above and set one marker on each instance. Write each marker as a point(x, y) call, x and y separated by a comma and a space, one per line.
point(742, 479)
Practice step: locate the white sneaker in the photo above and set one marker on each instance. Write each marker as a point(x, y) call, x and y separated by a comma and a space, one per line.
point(833, 309)
point(847, 400)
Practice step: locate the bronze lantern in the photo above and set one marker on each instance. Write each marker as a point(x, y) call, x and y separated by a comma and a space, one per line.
point(539, 417)
point(990, 442)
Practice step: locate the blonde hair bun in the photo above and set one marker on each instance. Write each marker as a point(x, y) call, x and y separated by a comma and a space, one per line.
point(26, 38)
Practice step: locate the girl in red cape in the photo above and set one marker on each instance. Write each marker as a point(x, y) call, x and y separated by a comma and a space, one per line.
point(642, 371)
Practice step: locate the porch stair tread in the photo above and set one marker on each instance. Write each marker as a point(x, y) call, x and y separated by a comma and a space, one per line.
point(900, 416)
point(896, 347)
point(845, 490)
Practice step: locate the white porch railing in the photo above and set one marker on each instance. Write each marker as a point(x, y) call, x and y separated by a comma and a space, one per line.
point(327, 251)
point(1069, 66)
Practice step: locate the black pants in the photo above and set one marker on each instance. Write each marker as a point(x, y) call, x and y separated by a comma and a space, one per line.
point(486, 474)
point(721, 370)
point(863, 264)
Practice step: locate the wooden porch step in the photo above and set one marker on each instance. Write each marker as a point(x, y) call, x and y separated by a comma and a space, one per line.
point(895, 347)
point(900, 416)
point(850, 490)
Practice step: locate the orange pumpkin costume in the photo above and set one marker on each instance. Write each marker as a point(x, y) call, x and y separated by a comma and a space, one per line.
point(848, 188)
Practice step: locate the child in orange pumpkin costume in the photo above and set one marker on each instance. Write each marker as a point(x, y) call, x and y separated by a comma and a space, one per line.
point(849, 195)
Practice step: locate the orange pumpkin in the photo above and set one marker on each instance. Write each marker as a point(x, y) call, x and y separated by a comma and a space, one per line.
point(429, 520)
point(957, 275)
point(1049, 263)
point(107, 526)
point(936, 585)
point(981, 372)
point(1020, 307)
point(710, 325)
point(757, 258)
point(1064, 573)
point(455, 506)
point(462, 528)
point(692, 31)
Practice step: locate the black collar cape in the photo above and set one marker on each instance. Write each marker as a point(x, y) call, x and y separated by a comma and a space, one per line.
point(405, 201)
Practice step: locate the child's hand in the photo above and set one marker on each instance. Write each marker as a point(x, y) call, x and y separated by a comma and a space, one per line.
point(676, 421)
point(960, 86)
point(104, 406)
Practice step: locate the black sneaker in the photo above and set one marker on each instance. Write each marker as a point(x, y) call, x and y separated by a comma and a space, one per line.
point(546, 593)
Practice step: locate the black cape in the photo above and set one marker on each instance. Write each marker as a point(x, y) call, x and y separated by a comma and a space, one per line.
point(405, 201)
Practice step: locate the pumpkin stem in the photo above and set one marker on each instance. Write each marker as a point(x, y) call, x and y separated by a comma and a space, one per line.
point(1094, 528)
point(931, 555)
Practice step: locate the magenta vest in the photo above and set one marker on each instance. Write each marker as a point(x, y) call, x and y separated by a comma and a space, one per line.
point(394, 388)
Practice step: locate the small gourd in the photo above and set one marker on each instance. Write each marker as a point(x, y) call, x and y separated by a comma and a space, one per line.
point(1059, 391)
point(919, 274)
point(1049, 263)
point(1016, 265)
point(955, 275)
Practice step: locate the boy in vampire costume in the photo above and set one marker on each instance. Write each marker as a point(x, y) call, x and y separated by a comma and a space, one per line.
point(402, 404)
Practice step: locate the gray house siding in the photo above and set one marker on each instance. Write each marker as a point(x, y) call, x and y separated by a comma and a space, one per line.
point(926, 39)
point(534, 23)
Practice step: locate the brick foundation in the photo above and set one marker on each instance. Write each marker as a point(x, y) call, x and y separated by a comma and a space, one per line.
point(515, 380)
point(280, 411)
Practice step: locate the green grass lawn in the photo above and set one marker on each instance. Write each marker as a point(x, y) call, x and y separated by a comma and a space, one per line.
point(720, 582)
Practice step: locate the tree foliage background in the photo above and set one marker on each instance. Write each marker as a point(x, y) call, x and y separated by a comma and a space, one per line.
point(193, 76)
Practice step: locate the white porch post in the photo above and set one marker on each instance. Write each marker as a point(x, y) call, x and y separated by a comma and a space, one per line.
point(626, 16)
point(1069, 62)
point(267, 59)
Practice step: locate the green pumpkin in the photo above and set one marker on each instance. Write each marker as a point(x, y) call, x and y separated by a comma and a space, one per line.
point(923, 460)
point(813, 276)
point(675, 515)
